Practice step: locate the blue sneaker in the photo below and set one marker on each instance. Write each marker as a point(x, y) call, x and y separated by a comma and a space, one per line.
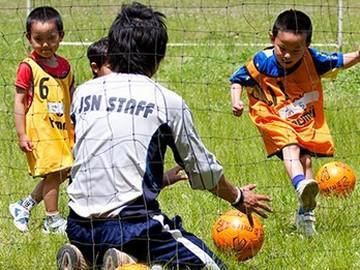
point(54, 224)
point(21, 216)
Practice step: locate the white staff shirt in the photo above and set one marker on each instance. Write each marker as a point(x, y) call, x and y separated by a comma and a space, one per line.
point(123, 125)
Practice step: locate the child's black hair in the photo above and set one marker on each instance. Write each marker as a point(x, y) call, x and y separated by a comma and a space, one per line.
point(293, 21)
point(44, 14)
point(97, 52)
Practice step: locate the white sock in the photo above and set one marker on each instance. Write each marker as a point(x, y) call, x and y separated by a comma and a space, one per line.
point(28, 203)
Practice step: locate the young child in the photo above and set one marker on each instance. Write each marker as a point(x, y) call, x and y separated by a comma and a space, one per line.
point(97, 55)
point(42, 104)
point(286, 103)
point(124, 122)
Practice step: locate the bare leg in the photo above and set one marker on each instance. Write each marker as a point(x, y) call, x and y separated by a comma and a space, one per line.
point(291, 156)
point(36, 194)
point(50, 191)
point(307, 165)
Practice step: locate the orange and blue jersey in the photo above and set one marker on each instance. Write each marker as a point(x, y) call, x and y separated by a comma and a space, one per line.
point(287, 105)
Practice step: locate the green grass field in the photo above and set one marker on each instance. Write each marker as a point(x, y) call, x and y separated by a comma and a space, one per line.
point(200, 74)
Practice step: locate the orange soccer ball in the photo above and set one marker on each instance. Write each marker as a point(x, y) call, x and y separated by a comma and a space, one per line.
point(133, 266)
point(233, 232)
point(336, 179)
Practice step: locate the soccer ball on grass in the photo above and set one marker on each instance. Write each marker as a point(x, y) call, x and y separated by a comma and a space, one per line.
point(233, 232)
point(336, 179)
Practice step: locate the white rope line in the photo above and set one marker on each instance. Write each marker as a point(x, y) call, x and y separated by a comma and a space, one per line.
point(185, 44)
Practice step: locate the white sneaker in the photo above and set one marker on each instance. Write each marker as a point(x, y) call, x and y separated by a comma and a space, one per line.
point(54, 224)
point(69, 257)
point(307, 191)
point(113, 258)
point(21, 216)
point(305, 223)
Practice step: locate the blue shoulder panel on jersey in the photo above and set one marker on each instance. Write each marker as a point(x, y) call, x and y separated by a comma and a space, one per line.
point(325, 62)
point(265, 62)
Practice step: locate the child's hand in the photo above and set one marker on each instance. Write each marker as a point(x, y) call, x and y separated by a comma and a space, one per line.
point(174, 175)
point(25, 144)
point(238, 108)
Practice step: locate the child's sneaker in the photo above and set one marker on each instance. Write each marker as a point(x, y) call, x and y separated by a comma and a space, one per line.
point(21, 216)
point(69, 257)
point(114, 258)
point(305, 223)
point(307, 191)
point(54, 224)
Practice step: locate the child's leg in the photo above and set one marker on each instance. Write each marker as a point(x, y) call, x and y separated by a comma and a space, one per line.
point(36, 194)
point(299, 168)
point(50, 192)
point(307, 189)
point(291, 157)
point(307, 165)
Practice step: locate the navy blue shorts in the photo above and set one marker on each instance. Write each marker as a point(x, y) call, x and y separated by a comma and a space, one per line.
point(152, 240)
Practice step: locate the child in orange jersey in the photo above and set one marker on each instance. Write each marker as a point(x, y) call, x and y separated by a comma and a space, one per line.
point(285, 93)
point(42, 117)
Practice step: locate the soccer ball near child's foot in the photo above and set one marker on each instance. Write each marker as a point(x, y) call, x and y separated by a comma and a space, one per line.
point(233, 232)
point(336, 179)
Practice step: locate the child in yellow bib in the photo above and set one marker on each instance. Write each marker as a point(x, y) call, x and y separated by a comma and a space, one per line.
point(42, 117)
point(286, 103)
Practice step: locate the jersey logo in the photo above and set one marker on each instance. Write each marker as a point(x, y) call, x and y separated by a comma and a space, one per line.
point(56, 108)
point(299, 105)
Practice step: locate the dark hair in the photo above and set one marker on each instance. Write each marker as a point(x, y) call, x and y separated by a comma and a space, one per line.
point(44, 14)
point(97, 52)
point(137, 40)
point(293, 21)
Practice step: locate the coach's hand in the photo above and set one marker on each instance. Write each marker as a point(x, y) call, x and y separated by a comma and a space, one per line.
point(244, 199)
point(253, 202)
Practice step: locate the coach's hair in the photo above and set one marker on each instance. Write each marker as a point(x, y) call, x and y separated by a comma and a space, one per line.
point(137, 40)
point(293, 21)
point(97, 52)
point(44, 14)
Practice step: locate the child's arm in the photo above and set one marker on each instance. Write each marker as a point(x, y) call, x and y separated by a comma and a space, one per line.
point(20, 111)
point(351, 59)
point(236, 102)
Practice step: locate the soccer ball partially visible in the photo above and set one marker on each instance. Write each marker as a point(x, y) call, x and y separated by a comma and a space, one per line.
point(336, 179)
point(133, 266)
point(232, 232)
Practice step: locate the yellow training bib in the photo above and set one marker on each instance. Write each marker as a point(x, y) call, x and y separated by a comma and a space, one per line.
point(48, 122)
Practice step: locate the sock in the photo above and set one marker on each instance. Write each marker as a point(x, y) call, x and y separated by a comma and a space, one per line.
point(297, 179)
point(52, 216)
point(28, 203)
point(301, 211)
